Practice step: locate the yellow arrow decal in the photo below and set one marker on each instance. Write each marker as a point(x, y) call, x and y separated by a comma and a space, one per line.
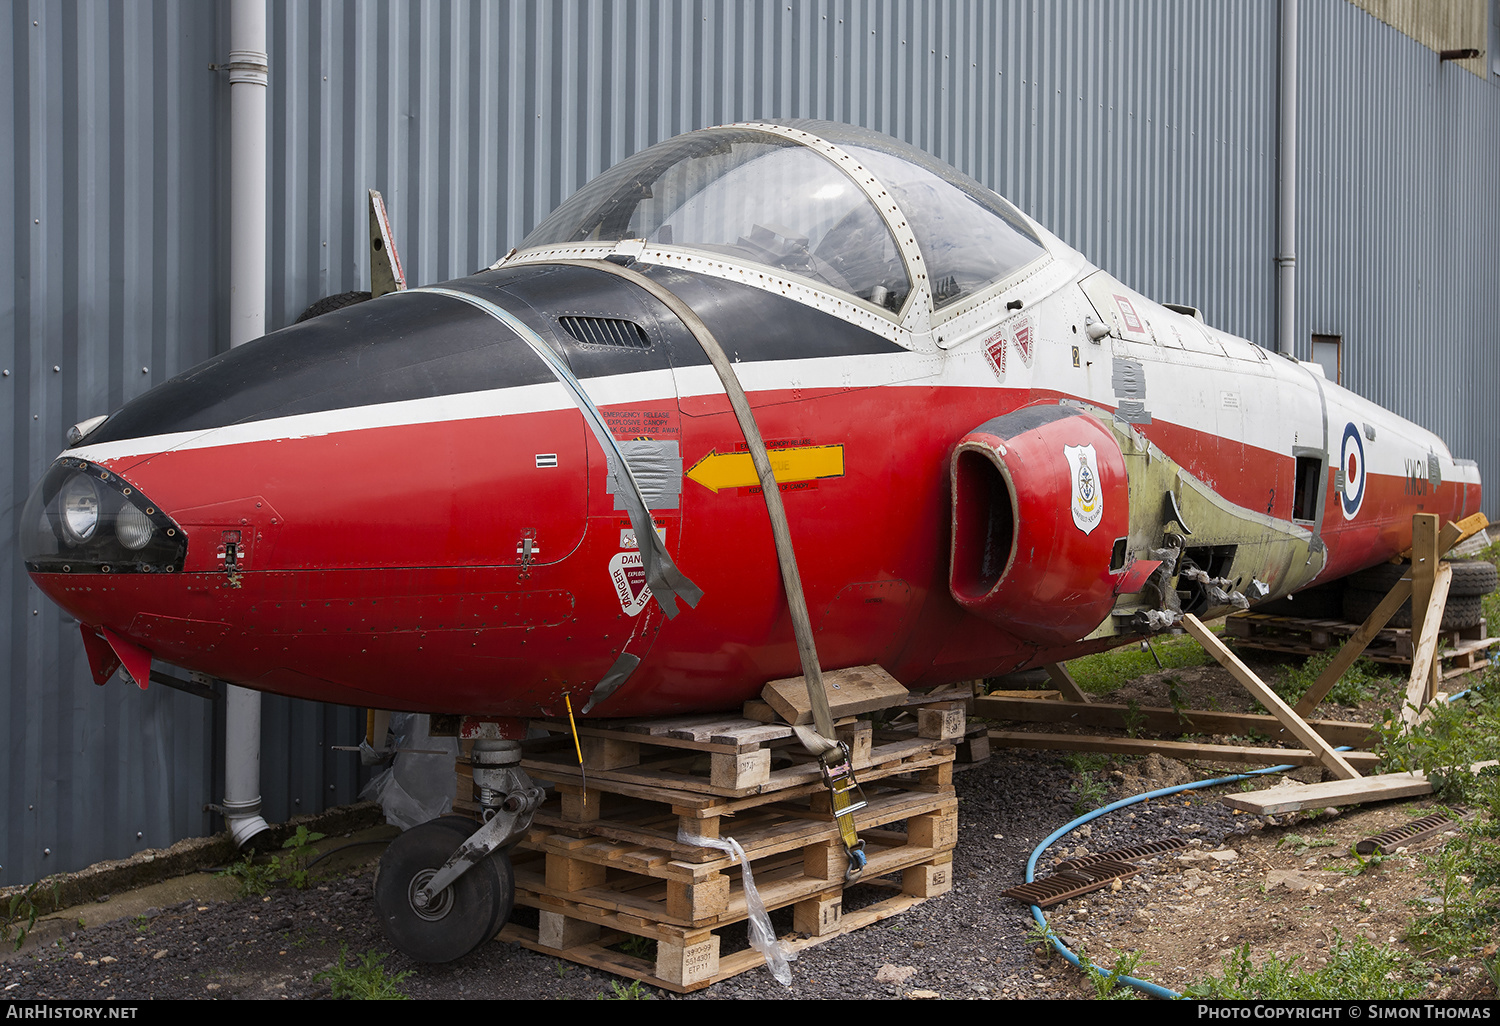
point(799, 463)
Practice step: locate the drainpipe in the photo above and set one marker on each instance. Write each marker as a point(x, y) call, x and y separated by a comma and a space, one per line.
point(1286, 169)
point(248, 75)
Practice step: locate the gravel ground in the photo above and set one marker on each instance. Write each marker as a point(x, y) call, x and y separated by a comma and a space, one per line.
point(969, 943)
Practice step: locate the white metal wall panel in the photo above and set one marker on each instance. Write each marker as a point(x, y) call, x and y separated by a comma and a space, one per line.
point(1142, 133)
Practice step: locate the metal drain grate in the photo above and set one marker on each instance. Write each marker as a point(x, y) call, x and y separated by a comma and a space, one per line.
point(1070, 883)
point(1404, 836)
point(1135, 851)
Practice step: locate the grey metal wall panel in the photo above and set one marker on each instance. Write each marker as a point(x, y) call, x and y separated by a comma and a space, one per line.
point(1396, 248)
point(1144, 134)
point(111, 281)
point(107, 286)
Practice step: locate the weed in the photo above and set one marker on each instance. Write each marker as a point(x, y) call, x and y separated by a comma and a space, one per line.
point(141, 923)
point(255, 879)
point(1177, 699)
point(1302, 844)
point(1361, 970)
point(632, 991)
point(1107, 981)
point(364, 978)
point(21, 908)
point(1088, 791)
point(1044, 939)
point(1365, 864)
point(1134, 718)
point(638, 947)
point(300, 853)
point(1086, 762)
point(561, 968)
point(258, 878)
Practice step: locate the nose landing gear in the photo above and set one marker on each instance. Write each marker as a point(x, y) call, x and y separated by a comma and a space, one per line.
point(444, 887)
point(458, 918)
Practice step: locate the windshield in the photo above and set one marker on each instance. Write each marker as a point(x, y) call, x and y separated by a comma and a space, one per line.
point(749, 195)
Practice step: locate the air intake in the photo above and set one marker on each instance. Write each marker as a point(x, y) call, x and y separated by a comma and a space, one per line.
point(610, 332)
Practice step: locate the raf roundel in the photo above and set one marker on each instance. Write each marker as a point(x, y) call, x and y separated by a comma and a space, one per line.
point(1352, 462)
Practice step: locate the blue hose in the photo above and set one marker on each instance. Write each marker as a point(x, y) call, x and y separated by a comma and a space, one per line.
point(1036, 913)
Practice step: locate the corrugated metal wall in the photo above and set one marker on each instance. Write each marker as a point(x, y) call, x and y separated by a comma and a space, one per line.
point(1144, 134)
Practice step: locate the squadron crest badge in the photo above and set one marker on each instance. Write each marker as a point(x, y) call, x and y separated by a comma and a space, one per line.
point(1088, 498)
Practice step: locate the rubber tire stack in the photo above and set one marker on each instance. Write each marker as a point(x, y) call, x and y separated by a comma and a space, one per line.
point(1472, 579)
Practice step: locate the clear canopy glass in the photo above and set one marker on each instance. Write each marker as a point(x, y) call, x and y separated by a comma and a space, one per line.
point(758, 197)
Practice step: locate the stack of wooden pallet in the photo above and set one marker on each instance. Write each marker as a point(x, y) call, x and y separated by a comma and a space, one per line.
point(617, 852)
point(1462, 651)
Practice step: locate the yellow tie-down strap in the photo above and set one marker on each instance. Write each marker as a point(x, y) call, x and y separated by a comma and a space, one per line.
point(848, 798)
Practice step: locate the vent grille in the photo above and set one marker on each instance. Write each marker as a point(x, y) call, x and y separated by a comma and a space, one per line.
point(610, 332)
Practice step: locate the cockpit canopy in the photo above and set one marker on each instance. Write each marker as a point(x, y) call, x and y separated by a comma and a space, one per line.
point(786, 203)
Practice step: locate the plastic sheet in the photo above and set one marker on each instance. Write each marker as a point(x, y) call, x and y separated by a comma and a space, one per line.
point(419, 784)
point(762, 938)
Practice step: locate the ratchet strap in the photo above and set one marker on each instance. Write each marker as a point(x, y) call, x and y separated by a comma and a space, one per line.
point(838, 768)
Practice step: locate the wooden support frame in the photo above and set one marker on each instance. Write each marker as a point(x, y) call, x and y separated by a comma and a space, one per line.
point(1422, 685)
point(1268, 698)
point(1059, 675)
point(1427, 587)
point(1455, 533)
point(1238, 754)
point(1026, 708)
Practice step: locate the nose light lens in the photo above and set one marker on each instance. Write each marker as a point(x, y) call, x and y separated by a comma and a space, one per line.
point(133, 527)
point(80, 508)
point(83, 518)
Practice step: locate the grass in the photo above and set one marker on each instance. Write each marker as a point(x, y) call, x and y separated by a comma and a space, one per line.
point(365, 978)
point(1362, 970)
point(1105, 671)
point(1363, 681)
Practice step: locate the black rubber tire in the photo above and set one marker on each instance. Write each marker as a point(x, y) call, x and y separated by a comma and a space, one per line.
point(1461, 611)
point(1470, 577)
point(328, 304)
point(464, 916)
point(1325, 602)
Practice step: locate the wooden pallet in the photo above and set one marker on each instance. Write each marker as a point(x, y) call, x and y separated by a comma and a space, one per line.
point(1467, 649)
point(614, 857)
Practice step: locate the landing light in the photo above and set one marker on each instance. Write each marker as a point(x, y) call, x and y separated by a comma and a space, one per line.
point(133, 527)
point(80, 509)
point(83, 518)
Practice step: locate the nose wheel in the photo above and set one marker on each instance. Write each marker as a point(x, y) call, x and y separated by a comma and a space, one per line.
point(458, 918)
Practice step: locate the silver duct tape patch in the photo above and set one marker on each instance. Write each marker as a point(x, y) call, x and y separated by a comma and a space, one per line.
point(1128, 378)
point(657, 468)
